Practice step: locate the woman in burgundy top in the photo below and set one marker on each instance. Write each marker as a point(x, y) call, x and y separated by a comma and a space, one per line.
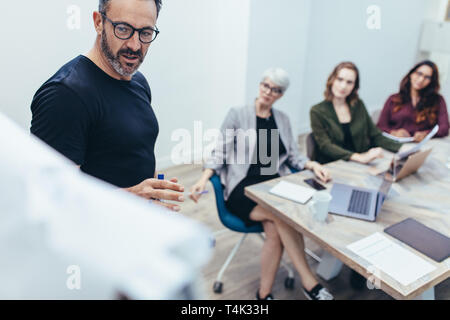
point(418, 107)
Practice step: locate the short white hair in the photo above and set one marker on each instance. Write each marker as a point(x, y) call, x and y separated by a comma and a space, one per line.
point(278, 76)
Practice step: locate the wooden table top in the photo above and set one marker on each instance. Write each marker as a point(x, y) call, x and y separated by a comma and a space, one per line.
point(423, 196)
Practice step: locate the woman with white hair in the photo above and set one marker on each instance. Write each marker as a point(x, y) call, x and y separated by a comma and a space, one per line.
point(270, 153)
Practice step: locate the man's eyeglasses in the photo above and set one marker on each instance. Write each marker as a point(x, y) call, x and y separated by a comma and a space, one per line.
point(125, 31)
point(274, 90)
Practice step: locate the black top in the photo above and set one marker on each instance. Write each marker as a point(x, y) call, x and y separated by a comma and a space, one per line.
point(106, 126)
point(348, 141)
point(263, 128)
point(237, 202)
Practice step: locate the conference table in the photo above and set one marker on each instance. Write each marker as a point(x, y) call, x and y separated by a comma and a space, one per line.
point(423, 196)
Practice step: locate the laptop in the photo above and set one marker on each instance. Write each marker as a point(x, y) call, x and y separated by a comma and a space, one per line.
point(401, 168)
point(408, 162)
point(356, 202)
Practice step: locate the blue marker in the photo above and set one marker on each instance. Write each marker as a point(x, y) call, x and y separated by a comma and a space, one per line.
point(161, 177)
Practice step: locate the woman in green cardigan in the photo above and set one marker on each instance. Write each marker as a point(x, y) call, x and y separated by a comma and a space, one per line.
point(341, 126)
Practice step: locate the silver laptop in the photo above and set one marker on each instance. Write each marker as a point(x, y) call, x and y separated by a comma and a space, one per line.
point(401, 168)
point(407, 162)
point(356, 202)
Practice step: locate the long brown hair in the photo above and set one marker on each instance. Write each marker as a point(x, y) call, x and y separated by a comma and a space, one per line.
point(429, 96)
point(353, 96)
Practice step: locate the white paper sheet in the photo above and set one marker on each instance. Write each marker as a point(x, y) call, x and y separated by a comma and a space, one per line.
point(402, 155)
point(391, 258)
point(398, 139)
point(292, 191)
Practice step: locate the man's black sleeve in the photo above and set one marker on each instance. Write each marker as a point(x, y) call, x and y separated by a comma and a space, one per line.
point(61, 119)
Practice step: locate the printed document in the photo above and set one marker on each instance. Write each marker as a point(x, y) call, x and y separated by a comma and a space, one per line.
point(391, 258)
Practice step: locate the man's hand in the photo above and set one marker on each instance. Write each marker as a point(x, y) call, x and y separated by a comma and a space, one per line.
point(420, 135)
point(156, 190)
point(401, 133)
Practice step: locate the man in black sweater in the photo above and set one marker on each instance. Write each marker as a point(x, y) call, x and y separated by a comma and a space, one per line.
point(96, 110)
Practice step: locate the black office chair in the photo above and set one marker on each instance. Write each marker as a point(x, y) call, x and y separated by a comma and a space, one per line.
point(311, 146)
point(233, 223)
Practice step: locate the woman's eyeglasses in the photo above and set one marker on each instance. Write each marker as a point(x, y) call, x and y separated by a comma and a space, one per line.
point(420, 74)
point(274, 90)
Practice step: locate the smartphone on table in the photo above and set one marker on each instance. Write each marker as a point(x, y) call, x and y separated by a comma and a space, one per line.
point(314, 184)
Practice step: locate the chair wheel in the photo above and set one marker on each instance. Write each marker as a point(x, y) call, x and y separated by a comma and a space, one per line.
point(217, 287)
point(289, 283)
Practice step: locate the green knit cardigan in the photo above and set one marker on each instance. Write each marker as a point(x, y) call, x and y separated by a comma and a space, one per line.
point(329, 135)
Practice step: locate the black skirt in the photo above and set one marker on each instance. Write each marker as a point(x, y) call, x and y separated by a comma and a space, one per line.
point(237, 203)
point(241, 206)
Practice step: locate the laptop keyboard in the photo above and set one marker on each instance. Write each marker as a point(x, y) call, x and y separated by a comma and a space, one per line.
point(359, 202)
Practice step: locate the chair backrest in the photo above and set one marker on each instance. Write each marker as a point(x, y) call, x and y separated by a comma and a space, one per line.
point(310, 146)
point(376, 116)
point(228, 219)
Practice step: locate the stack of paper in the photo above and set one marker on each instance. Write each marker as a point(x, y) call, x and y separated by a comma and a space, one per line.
point(391, 258)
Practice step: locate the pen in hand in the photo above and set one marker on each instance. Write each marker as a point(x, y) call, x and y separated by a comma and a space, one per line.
point(196, 193)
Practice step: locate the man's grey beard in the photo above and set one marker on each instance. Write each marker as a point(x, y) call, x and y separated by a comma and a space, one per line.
point(114, 60)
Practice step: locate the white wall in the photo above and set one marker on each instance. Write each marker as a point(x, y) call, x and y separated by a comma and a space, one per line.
point(278, 38)
point(433, 35)
point(338, 32)
point(211, 53)
point(196, 68)
point(309, 37)
point(436, 10)
point(36, 46)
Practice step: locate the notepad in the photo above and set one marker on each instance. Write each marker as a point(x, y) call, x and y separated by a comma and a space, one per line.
point(391, 258)
point(293, 192)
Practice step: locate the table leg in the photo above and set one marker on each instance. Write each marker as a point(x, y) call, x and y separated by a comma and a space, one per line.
point(329, 267)
point(426, 295)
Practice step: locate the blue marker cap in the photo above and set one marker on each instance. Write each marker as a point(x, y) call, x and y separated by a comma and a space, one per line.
point(161, 176)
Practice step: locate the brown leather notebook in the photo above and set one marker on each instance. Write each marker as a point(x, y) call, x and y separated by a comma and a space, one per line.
point(428, 241)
